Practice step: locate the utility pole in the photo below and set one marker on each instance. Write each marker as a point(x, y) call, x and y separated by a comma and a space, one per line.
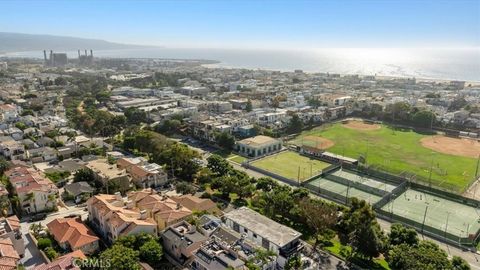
point(423, 223)
point(430, 174)
point(446, 226)
point(478, 163)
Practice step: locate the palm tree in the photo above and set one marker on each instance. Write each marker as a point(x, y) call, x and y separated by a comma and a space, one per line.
point(4, 205)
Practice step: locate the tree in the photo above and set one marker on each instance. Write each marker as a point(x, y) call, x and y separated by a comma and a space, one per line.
point(423, 118)
point(225, 140)
point(168, 127)
point(360, 228)
point(218, 165)
point(400, 234)
point(319, 217)
point(4, 165)
point(135, 116)
point(458, 263)
point(295, 125)
point(425, 255)
point(204, 176)
point(151, 252)
point(120, 258)
point(51, 253)
point(249, 106)
point(43, 243)
point(185, 188)
point(266, 184)
point(293, 263)
point(84, 175)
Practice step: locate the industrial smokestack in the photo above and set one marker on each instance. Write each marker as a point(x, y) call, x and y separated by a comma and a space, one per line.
point(79, 54)
point(91, 53)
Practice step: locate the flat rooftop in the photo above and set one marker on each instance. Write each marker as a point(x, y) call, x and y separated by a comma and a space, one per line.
point(273, 231)
point(258, 140)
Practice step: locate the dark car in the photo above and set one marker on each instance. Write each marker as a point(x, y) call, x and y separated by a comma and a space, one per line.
point(37, 217)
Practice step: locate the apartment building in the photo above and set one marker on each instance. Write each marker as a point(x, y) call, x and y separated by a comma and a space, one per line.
point(264, 232)
point(163, 210)
point(180, 241)
point(113, 216)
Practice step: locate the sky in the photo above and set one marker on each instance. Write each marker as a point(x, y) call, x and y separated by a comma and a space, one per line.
point(253, 24)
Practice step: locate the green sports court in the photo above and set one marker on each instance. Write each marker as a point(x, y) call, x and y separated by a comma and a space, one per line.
point(291, 165)
point(447, 216)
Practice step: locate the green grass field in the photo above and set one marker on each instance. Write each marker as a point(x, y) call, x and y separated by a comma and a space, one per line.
point(287, 164)
point(398, 151)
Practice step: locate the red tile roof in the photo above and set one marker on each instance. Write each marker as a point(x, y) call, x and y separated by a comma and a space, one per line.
point(71, 230)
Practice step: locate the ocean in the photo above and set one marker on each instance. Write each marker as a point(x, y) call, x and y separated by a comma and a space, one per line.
point(448, 64)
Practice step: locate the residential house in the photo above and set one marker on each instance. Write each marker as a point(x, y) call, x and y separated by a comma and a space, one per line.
point(42, 154)
point(143, 174)
point(112, 216)
point(72, 234)
point(81, 191)
point(106, 172)
point(9, 112)
point(10, 228)
point(8, 255)
point(36, 193)
point(11, 149)
point(65, 262)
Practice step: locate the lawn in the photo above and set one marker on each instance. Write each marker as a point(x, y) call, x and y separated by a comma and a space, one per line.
point(398, 151)
point(237, 159)
point(291, 165)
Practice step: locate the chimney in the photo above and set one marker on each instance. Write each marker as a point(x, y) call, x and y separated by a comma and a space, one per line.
point(118, 196)
point(78, 54)
point(130, 204)
point(143, 214)
point(91, 53)
point(179, 206)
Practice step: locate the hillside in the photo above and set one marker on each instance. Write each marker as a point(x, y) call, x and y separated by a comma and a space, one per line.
point(17, 42)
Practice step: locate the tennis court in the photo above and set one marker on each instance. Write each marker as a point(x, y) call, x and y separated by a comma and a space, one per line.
point(363, 179)
point(342, 190)
point(456, 218)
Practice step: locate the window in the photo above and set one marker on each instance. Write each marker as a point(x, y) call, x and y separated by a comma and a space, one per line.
point(265, 243)
point(254, 236)
point(245, 230)
point(236, 227)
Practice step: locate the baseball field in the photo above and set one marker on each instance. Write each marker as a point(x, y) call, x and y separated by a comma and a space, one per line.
point(450, 161)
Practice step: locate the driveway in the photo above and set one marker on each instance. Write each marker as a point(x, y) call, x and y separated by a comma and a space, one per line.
point(32, 256)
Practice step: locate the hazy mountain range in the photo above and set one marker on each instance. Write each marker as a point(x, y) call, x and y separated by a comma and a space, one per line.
point(17, 42)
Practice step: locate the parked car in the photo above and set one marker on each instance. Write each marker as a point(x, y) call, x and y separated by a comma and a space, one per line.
point(37, 217)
